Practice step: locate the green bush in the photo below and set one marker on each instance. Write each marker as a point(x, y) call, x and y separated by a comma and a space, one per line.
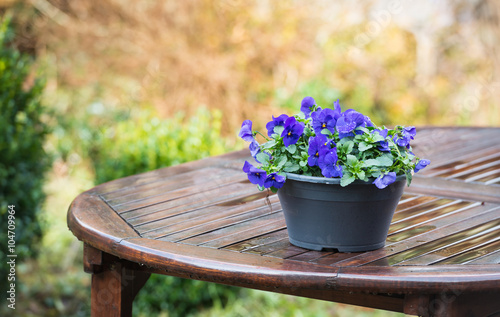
point(23, 160)
point(146, 143)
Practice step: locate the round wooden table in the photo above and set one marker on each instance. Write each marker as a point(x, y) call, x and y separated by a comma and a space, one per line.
point(203, 220)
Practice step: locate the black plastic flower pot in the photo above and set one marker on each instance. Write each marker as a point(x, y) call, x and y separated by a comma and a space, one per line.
point(320, 214)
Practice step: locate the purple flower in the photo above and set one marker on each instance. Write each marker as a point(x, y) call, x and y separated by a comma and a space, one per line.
point(323, 119)
point(368, 122)
point(383, 145)
point(385, 180)
point(255, 149)
point(328, 162)
point(337, 109)
point(421, 165)
point(293, 131)
point(255, 175)
point(274, 180)
point(307, 105)
point(246, 131)
point(349, 121)
point(406, 135)
point(315, 145)
point(278, 121)
point(410, 131)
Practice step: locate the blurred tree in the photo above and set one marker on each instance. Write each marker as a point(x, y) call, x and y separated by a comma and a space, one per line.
point(23, 161)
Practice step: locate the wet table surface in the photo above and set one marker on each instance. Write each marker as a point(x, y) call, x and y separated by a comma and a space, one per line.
point(204, 220)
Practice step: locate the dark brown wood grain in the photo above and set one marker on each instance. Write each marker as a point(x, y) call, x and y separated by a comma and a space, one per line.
point(203, 220)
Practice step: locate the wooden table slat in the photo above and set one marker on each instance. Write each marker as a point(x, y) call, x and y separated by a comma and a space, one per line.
point(176, 211)
point(287, 252)
point(474, 253)
point(200, 226)
point(457, 170)
point(258, 241)
point(493, 257)
point(179, 193)
point(245, 234)
point(431, 216)
point(218, 233)
point(423, 209)
point(161, 185)
point(269, 247)
point(417, 226)
point(197, 201)
point(438, 256)
point(438, 244)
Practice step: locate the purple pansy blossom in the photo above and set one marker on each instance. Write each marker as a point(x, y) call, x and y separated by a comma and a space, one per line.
point(323, 119)
point(328, 163)
point(383, 145)
point(368, 122)
point(421, 165)
point(278, 121)
point(274, 180)
point(407, 134)
point(255, 175)
point(337, 109)
point(292, 132)
point(307, 106)
point(349, 121)
point(385, 180)
point(255, 150)
point(315, 145)
point(246, 131)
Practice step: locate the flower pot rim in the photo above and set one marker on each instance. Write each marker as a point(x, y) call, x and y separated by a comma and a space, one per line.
point(325, 180)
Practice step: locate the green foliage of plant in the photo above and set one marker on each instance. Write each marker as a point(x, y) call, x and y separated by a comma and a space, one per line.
point(181, 297)
point(23, 160)
point(147, 143)
point(261, 303)
point(326, 142)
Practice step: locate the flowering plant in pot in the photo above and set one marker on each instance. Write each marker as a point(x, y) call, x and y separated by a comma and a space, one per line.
point(336, 174)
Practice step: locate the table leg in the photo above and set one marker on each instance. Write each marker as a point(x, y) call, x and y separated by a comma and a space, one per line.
point(114, 285)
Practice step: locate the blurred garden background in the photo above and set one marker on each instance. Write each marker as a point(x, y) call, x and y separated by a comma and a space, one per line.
point(94, 90)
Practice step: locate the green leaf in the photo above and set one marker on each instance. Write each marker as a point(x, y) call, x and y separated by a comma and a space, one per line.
point(409, 177)
point(291, 167)
point(351, 160)
point(326, 132)
point(268, 144)
point(282, 162)
point(292, 148)
point(278, 129)
point(377, 137)
point(361, 175)
point(365, 130)
point(346, 180)
point(350, 146)
point(363, 146)
point(370, 162)
point(376, 174)
point(303, 163)
point(263, 158)
point(274, 189)
point(384, 161)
